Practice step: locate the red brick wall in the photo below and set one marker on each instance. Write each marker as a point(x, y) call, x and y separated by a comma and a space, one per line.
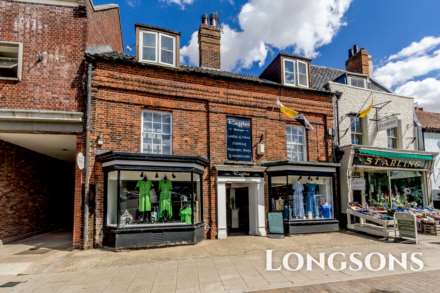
point(56, 35)
point(36, 192)
point(199, 107)
point(104, 28)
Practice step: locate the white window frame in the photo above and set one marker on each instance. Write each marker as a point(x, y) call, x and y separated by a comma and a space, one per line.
point(307, 73)
point(19, 60)
point(141, 46)
point(143, 132)
point(158, 49)
point(359, 78)
point(304, 131)
point(396, 138)
point(361, 133)
point(295, 73)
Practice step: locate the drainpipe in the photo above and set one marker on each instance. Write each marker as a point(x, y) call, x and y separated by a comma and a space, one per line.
point(86, 155)
point(338, 95)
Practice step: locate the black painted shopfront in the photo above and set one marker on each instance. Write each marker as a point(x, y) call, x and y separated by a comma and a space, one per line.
point(151, 200)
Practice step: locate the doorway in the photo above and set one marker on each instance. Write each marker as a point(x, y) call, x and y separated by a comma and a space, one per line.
point(237, 202)
point(249, 197)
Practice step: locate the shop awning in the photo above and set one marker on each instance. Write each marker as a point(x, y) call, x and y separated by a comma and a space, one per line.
point(396, 155)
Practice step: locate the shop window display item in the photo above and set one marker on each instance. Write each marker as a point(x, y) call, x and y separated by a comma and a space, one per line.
point(165, 207)
point(298, 200)
point(185, 215)
point(144, 205)
point(311, 209)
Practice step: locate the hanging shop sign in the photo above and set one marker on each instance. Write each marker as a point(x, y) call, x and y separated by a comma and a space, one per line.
point(389, 122)
point(358, 184)
point(391, 160)
point(406, 225)
point(239, 134)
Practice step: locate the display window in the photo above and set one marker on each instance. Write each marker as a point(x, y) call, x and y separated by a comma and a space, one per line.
point(136, 198)
point(301, 197)
point(394, 189)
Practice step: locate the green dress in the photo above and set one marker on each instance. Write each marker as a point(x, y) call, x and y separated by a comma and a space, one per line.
point(165, 188)
point(185, 215)
point(144, 195)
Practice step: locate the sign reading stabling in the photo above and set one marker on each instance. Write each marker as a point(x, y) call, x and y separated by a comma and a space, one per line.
point(239, 146)
point(366, 160)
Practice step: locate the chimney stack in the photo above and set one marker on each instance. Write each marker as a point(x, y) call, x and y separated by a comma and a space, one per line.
point(209, 42)
point(359, 61)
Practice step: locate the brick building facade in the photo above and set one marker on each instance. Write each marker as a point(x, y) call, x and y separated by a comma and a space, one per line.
point(199, 102)
point(41, 109)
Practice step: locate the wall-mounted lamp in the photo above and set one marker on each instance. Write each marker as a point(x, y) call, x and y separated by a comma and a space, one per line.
point(99, 140)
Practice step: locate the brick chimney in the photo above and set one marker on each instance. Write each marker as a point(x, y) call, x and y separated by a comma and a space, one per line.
point(359, 61)
point(209, 42)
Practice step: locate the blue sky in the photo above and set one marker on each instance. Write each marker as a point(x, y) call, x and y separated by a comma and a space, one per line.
point(255, 30)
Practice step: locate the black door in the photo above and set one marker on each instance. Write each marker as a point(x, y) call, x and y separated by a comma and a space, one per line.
point(238, 208)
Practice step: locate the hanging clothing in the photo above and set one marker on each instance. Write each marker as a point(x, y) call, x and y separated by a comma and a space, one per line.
point(311, 208)
point(165, 188)
point(325, 210)
point(144, 186)
point(185, 215)
point(298, 200)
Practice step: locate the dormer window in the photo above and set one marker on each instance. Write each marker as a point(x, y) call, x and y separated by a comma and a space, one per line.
point(357, 81)
point(157, 47)
point(295, 73)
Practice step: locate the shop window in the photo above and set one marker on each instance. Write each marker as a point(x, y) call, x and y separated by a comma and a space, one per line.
point(356, 130)
point(11, 55)
point(393, 139)
point(156, 132)
point(296, 143)
point(302, 197)
point(389, 190)
point(296, 73)
point(153, 198)
point(157, 47)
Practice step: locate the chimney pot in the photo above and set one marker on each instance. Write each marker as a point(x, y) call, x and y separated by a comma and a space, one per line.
point(205, 19)
point(213, 19)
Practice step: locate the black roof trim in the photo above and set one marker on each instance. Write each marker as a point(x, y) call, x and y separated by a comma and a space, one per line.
point(158, 28)
point(295, 56)
point(300, 163)
point(110, 156)
point(125, 59)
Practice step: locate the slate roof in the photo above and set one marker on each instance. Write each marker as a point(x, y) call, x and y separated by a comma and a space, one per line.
point(122, 58)
point(429, 120)
point(322, 75)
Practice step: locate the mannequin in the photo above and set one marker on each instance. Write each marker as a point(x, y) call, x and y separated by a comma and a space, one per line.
point(144, 206)
point(310, 192)
point(298, 199)
point(165, 208)
point(185, 214)
point(325, 209)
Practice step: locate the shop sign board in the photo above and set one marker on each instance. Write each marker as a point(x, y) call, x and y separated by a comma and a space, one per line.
point(358, 184)
point(373, 161)
point(406, 225)
point(239, 144)
point(389, 122)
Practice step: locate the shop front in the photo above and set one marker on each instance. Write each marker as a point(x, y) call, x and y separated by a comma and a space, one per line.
point(377, 182)
point(305, 193)
point(152, 200)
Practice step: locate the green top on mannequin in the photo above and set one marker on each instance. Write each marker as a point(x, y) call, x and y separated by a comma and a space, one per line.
point(144, 187)
point(185, 215)
point(165, 206)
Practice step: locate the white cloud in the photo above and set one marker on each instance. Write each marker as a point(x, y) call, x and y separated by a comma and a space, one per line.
point(132, 3)
point(411, 72)
point(395, 73)
point(426, 92)
point(181, 3)
point(417, 48)
point(304, 25)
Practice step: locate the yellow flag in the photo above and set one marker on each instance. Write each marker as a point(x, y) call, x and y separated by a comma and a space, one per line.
point(364, 113)
point(286, 111)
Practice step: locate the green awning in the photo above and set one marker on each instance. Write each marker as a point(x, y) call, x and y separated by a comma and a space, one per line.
point(395, 155)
